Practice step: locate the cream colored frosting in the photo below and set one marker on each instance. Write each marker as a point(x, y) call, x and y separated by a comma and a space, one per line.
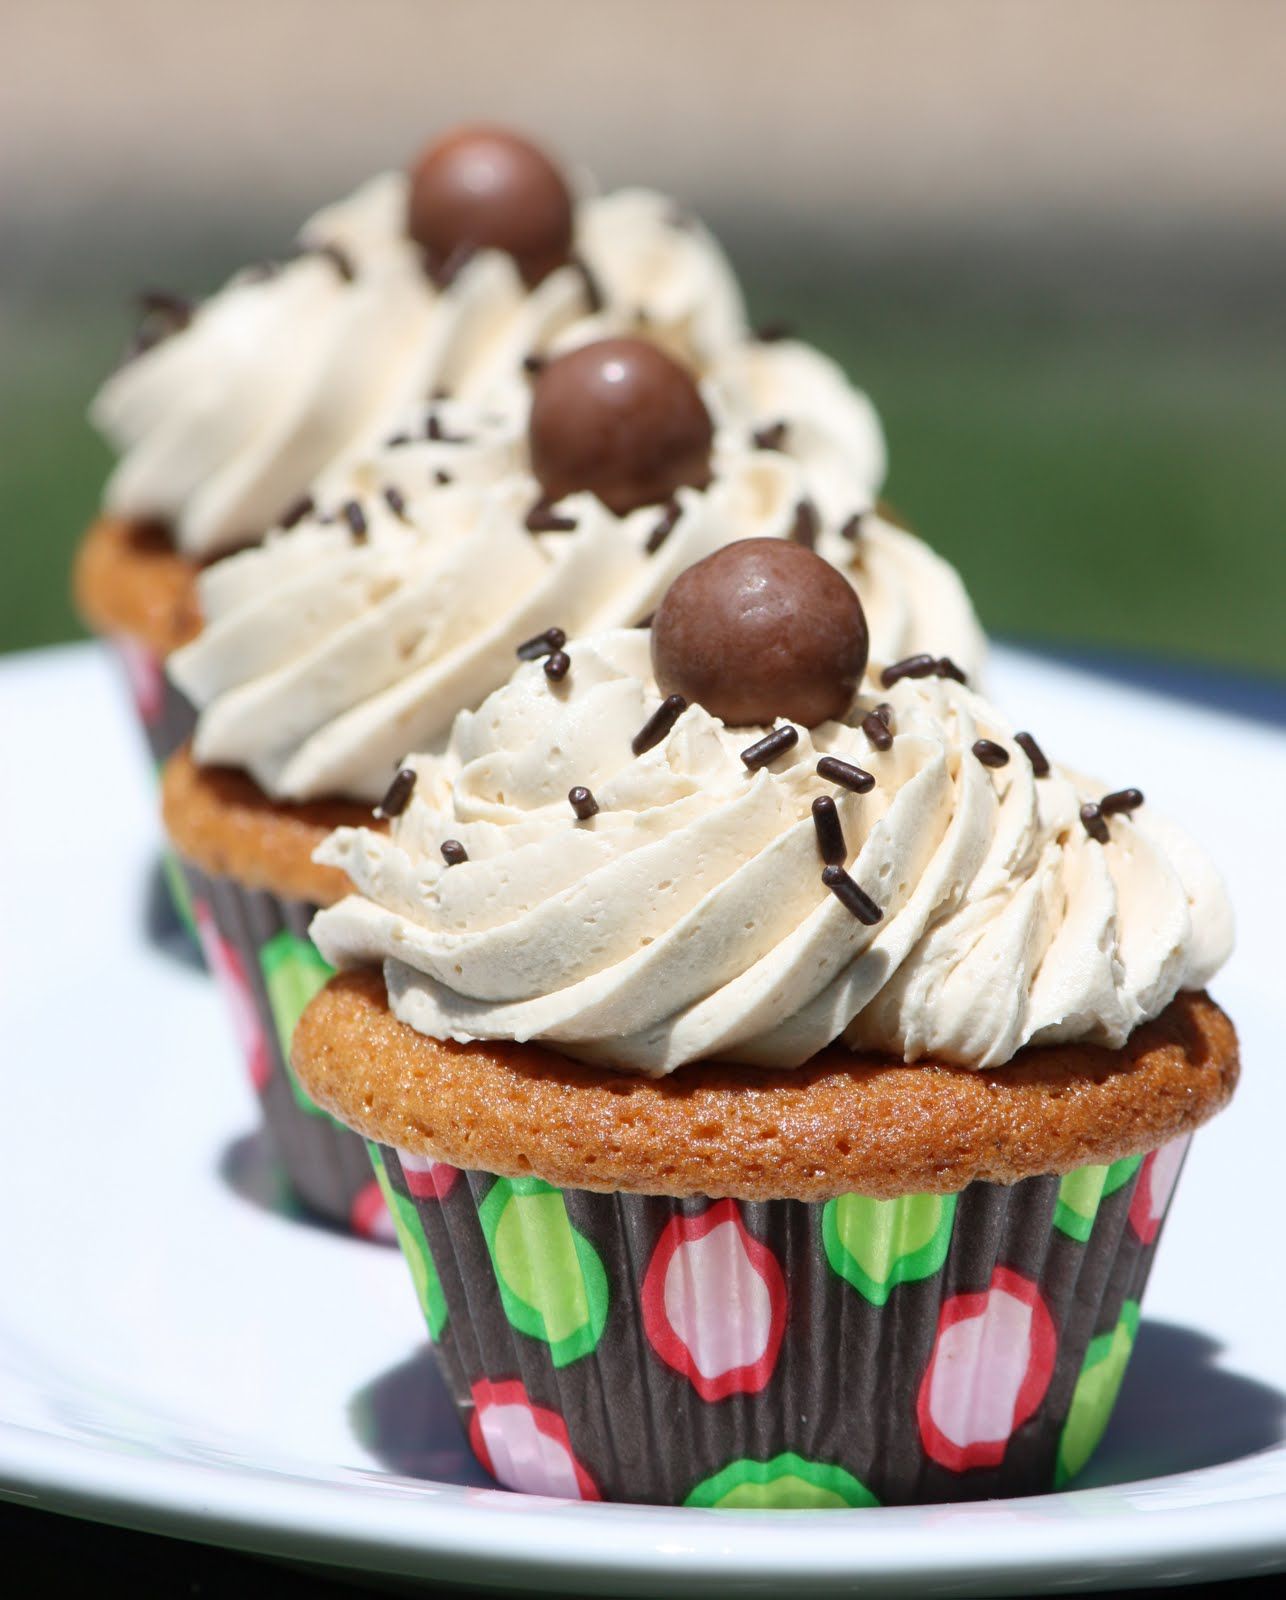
point(688, 920)
point(281, 378)
point(326, 657)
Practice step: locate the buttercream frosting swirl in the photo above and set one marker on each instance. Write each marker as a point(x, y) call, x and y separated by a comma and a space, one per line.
point(687, 919)
point(328, 654)
point(285, 375)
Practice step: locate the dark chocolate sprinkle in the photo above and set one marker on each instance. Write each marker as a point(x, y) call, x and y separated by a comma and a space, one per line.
point(442, 476)
point(396, 501)
point(851, 896)
point(533, 363)
point(875, 729)
point(852, 528)
point(665, 526)
point(919, 666)
point(659, 723)
point(542, 644)
point(990, 753)
point(774, 332)
point(945, 667)
point(770, 746)
point(770, 437)
point(399, 792)
point(858, 779)
point(175, 309)
point(437, 434)
point(1094, 823)
point(355, 517)
point(807, 524)
point(542, 518)
point(557, 665)
point(396, 441)
point(583, 802)
point(338, 258)
point(297, 511)
point(593, 294)
point(1120, 800)
point(453, 852)
point(449, 269)
point(830, 833)
point(1039, 763)
point(884, 711)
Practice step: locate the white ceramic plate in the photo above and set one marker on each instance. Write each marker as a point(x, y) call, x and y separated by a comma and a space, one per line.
point(180, 1353)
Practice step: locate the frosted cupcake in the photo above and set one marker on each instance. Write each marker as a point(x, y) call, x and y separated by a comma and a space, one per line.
point(779, 1095)
point(442, 280)
point(477, 535)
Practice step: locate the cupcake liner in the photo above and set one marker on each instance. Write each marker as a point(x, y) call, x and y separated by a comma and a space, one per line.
point(776, 1353)
point(267, 968)
point(165, 715)
point(167, 720)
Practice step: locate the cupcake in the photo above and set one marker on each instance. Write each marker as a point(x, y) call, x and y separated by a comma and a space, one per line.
point(440, 280)
point(565, 502)
point(778, 1093)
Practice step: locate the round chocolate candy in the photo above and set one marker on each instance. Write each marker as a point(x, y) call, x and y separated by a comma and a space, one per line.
point(622, 419)
point(760, 630)
point(484, 188)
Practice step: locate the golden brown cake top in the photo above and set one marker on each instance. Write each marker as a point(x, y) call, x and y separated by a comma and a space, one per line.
point(223, 823)
point(129, 579)
point(845, 1123)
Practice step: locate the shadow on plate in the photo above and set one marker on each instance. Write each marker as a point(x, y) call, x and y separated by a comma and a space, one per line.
point(163, 929)
point(1180, 1410)
point(250, 1170)
point(407, 1420)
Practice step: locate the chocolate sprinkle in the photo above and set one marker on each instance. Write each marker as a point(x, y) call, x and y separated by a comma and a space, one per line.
point(395, 441)
point(297, 511)
point(396, 501)
point(557, 666)
point(399, 792)
point(1094, 822)
point(665, 526)
point(858, 779)
point(338, 258)
point(851, 896)
point(876, 730)
point(449, 269)
point(852, 528)
point(807, 524)
point(583, 802)
point(442, 476)
point(161, 314)
point(770, 437)
point(355, 517)
point(593, 294)
point(884, 711)
point(830, 833)
point(774, 332)
point(437, 434)
point(542, 518)
point(1039, 762)
point(945, 667)
point(453, 852)
point(770, 746)
point(990, 753)
point(659, 723)
point(920, 666)
point(543, 644)
point(533, 363)
point(1120, 800)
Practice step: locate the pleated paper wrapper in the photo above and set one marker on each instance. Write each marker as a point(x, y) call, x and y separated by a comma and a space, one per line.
point(257, 946)
point(774, 1353)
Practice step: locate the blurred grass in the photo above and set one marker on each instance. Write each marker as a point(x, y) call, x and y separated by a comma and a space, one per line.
point(1098, 479)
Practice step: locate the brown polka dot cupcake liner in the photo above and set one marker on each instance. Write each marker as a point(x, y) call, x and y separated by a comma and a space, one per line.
point(781, 1353)
point(257, 947)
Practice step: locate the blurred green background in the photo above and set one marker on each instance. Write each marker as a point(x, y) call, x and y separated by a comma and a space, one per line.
point(1077, 340)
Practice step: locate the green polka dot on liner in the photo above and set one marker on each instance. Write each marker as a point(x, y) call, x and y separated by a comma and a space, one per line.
point(786, 1483)
point(415, 1247)
point(552, 1282)
point(877, 1244)
point(293, 971)
point(1081, 1193)
point(1095, 1394)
